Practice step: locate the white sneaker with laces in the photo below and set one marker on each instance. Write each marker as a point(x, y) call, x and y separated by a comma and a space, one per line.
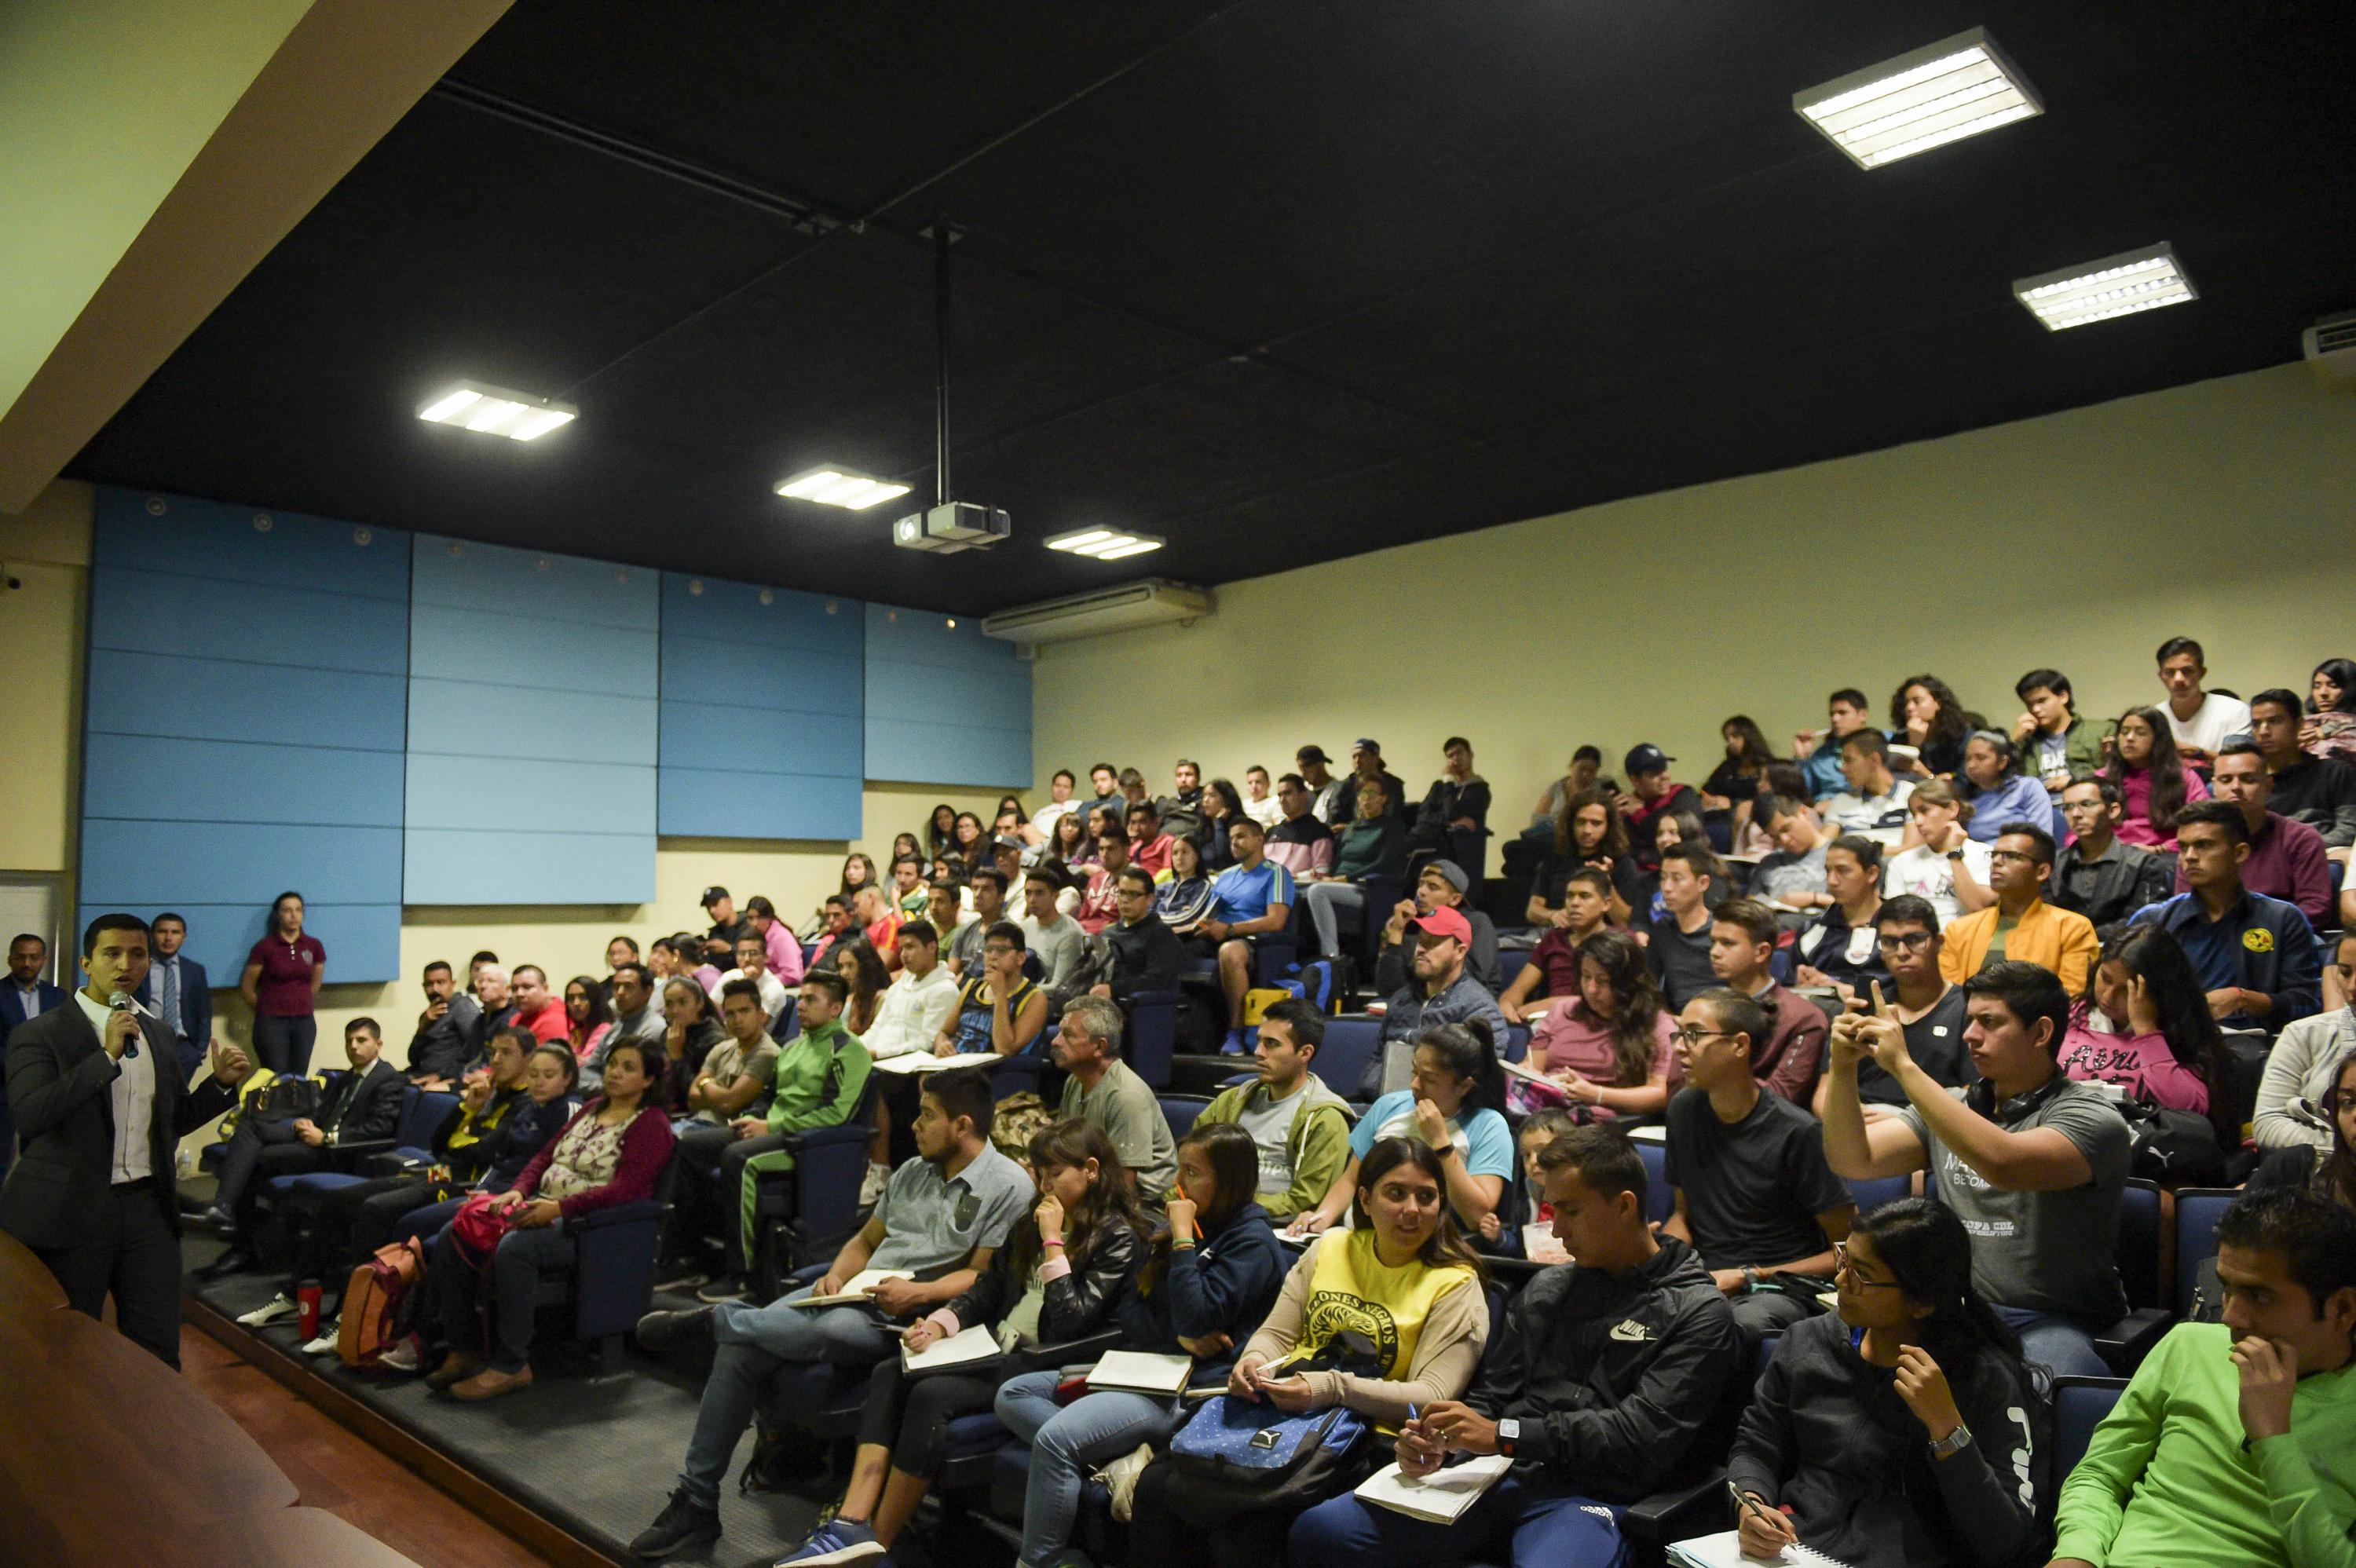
point(278, 1307)
point(325, 1345)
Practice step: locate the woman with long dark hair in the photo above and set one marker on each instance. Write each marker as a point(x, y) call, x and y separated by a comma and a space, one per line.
point(281, 984)
point(2330, 730)
point(1061, 1276)
point(863, 969)
point(1607, 1053)
point(1222, 802)
point(1211, 1275)
point(1588, 831)
point(1456, 1095)
point(969, 843)
point(2161, 1045)
point(1999, 791)
point(2152, 777)
point(1401, 1263)
point(1737, 775)
point(940, 829)
point(1184, 902)
point(2332, 1172)
point(588, 1017)
point(1925, 715)
point(1070, 844)
point(1898, 1431)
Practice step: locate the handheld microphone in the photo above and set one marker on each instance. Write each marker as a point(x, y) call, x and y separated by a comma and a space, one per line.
point(121, 1002)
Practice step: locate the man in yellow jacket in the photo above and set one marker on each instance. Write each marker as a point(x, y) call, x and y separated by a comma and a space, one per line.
point(2020, 925)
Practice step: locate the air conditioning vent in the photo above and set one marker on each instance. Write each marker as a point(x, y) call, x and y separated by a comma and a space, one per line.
point(1152, 602)
point(2330, 347)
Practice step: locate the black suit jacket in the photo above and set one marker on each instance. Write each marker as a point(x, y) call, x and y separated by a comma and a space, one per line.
point(62, 1092)
point(367, 1108)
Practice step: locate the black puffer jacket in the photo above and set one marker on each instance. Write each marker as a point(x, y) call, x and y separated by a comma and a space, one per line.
point(1079, 1303)
point(1614, 1379)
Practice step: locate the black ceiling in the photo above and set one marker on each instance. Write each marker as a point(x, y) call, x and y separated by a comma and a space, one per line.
point(1284, 280)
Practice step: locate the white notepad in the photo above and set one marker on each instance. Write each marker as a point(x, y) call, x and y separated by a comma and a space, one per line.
point(1441, 1497)
point(1649, 1133)
point(1140, 1372)
point(967, 1345)
point(856, 1288)
point(910, 1062)
point(1724, 1550)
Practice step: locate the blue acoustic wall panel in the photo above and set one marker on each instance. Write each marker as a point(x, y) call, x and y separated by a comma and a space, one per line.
point(532, 725)
point(762, 693)
point(242, 728)
point(944, 704)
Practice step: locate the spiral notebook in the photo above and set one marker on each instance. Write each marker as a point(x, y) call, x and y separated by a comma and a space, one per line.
point(1724, 1550)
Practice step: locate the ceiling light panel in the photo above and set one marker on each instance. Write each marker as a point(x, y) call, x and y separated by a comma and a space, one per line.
point(1958, 87)
point(837, 487)
point(494, 410)
point(1105, 544)
point(2117, 285)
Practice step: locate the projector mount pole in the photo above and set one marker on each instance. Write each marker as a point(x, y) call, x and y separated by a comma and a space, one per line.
point(941, 361)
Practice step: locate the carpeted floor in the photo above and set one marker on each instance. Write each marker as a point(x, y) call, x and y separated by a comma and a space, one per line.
point(597, 1455)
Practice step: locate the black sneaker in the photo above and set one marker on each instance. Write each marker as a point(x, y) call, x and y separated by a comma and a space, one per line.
point(681, 1524)
point(660, 1330)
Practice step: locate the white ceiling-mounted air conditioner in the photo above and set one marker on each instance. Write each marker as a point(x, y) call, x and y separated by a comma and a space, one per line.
point(2330, 347)
point(1151, 602)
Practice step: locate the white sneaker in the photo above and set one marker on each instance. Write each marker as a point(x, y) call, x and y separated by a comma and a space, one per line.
point(406, 1356)
point(1119, 1478)
point(325, 1345)
point(279, 1308)
point(871, 1189)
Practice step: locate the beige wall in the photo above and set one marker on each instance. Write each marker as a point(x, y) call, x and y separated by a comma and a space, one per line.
point(2224, 511)
point(46, 550)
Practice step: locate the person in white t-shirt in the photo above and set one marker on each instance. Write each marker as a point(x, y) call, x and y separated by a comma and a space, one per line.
point(909, 1016)
point(1059, 803)
point(1259, 798)
point(1941, 862)
point(2201, 721)
point(753, 964)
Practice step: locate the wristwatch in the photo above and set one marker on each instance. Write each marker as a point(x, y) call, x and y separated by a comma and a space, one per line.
point(1954, 1442)
point(1749, 1276)
point(1955, 854)
point(1509, 1432)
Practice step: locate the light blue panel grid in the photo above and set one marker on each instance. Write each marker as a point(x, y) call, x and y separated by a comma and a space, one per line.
point(363, 941)
point(487, 866)
point(739, 804)
point(536, 796)
point(233, 781)
point(497, 580)
point(203, 699)
point(138, 865)
point(533, 728)
point(157, 612)
point(243, 724)
point(475, 718)
point(763, 694)
point(508, 649)
point(944, 705)
point(175, 535)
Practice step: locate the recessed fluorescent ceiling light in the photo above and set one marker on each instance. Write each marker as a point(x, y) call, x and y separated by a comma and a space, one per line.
point(840, 488)
point(2115, 285)
point(470, 405)
point(1949, 89)
point(1105, 544)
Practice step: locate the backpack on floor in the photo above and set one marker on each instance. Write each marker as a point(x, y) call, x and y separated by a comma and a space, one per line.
point(381, 1303)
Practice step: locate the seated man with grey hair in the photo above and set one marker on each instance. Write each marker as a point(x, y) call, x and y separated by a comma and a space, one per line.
point(1103, 1090)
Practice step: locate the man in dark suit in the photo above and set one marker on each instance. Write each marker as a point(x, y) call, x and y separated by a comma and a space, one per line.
point(98, 1097)
point(178, 993)
point(363, 1106)
point(26, 996)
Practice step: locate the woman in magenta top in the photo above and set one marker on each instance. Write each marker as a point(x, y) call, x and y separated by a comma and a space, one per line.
point(2162, 1047)
point(2155, 781)
point(281, 984)
point(1608, 1050)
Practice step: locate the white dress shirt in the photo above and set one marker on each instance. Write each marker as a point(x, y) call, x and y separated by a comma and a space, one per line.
point(134, 1096)
point(153, 1002)
point(775, 997)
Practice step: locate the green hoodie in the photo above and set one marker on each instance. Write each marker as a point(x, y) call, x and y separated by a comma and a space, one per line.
point(804, 1097)
point(1316, 1141)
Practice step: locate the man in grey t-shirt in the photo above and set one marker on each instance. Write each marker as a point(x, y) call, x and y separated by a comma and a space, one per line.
point(2032, 1163)
point(1103, 1091)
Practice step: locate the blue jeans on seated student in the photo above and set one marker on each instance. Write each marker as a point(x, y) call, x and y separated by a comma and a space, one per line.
point(1518, 1525)
point(755, 1343)
point(1067, 1442)
point(514, 1280)
point(2064, 1343)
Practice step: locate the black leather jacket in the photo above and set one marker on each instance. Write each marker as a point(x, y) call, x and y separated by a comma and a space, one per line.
point(1077, 1305)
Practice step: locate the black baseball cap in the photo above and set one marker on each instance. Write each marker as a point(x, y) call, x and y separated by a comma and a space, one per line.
point(713, 895)
point(1647, 759)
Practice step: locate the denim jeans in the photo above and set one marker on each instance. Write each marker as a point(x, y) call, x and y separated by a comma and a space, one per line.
point(514, 1278)
point(754, 1344)
point(1526, 1527)
point(1065, 1442)
point(2064, 1343)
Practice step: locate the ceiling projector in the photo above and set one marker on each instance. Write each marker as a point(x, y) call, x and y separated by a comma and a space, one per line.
point(952, 525)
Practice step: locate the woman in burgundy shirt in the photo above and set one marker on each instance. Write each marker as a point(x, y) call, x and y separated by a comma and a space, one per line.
point(282, 975)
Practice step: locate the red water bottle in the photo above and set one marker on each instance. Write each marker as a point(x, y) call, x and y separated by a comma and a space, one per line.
point(306, 1304)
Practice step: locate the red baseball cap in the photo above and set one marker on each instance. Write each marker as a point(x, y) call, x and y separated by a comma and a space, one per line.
point(1447, 921)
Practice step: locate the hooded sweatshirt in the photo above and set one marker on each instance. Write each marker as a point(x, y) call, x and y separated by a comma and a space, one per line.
point(1316, 1142)
point(1223, 1284)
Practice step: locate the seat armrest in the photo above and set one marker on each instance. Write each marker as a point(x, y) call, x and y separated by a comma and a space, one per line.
point(619, 1215)
point(2126, 1342)
point(1677, 1513)
point(1070, 1353)
point(348, 1155)
point(390, 1164)
point(821, 1137)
